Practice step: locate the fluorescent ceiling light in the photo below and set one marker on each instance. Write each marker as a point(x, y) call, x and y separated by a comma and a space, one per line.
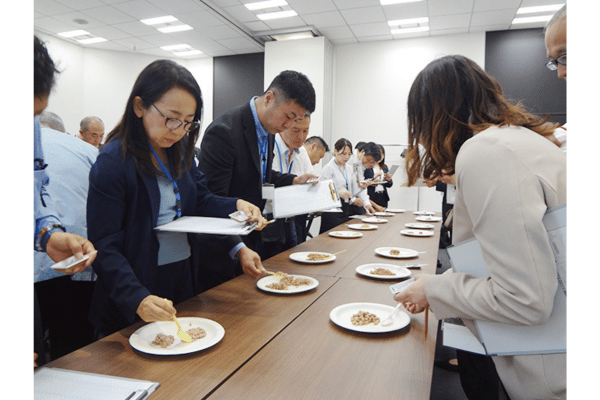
point(527, 20)
point(175, 28)
point(409, 30)
point(159, 20)
point(276, 15)
point(539, 9)
point(176, 47)
point(388, 2)
point(265, 4)
point(293, 36)
point(71, 34)
point(191, 52)
point(410, 21)
point(92, 40)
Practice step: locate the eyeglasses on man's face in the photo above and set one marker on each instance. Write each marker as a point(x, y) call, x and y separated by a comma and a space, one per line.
point(175, 123)
point(553, 64)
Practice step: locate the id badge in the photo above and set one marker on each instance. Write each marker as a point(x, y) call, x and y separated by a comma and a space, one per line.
point(268, 191)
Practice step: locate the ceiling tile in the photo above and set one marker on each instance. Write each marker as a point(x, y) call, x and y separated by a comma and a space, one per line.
point(242, 14)
point(201, 18)
point(69, 18)
point(446, 7)
point(108, 15)
point(140, 9)
point(346, 4)
point(50, 7)
point(172, 7)
point(285, 23)
point(499, 17)
point(338, 32)
point(404, 11)
point(364, 15)
point(136, 28)
point(374, 29)
point(312, 6)
point(325, 19)
point(81, 5)
point(450, 21)
point(109, 32)
point(240, 43)
point(487, 5)
point(364, 39)
point(134, 43)
point(51, 25)
point(257, 26)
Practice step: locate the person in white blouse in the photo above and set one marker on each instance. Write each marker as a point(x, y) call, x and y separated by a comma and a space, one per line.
point(342, 174)
point(366, 155)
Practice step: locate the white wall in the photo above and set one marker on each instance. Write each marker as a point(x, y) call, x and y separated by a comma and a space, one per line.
point(98, 82)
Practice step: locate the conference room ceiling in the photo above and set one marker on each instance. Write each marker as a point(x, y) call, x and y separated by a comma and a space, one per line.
point(228, 27)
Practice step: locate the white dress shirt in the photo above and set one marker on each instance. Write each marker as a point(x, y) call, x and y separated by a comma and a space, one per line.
point(299, 164)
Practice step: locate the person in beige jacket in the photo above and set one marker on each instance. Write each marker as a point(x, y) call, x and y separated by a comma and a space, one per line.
point(507, 175)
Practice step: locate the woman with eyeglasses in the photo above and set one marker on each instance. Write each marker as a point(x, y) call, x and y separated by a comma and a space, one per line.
point(145, 176)
point(507, 175)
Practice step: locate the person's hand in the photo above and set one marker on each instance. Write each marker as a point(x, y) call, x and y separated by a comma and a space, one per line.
point(377, 207)
point(304, 178)
point(366, 183)
point(358, 202)
point(250, 261)
point(35, 357)
point(387, 177)
point(63, 245)
point(430, 182)
point(154, 308)
point(369, 209)
point(252, 212)
point(413, 297)
point(345, 194)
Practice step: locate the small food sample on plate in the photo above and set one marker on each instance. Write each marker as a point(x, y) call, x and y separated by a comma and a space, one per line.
point(196, 333)
point(382, 271)
point(364, 318)
point(317, 257)
point(163, 340)
point(288, 281)
point(365, 226)
point(395, 252)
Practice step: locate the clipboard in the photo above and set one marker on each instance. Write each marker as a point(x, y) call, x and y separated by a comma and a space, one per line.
point(292, 200)
point(208, 225)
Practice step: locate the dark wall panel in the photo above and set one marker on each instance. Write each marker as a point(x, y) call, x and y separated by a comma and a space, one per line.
point(516, 59)
point(236, 79)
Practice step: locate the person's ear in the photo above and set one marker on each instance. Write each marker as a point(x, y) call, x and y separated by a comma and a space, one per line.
point(138, 106)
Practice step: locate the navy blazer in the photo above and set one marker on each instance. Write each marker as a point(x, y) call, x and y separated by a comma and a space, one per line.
point(122, 212)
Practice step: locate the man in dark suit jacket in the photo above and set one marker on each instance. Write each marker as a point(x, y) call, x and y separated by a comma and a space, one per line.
point(236, 153)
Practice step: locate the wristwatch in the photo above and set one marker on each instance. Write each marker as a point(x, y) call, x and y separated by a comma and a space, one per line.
point(44, 235)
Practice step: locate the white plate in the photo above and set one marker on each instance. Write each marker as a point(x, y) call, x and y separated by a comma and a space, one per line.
point(142, 339)
point(424, 213)
point(419, 225)
point(341, 316)
point(400, 272)
point(404, 253)
point(395, 210)
point(363, 227)
point(428, 218)
point(345, 234)
point(267, 280)
point(375, 220)
point(384, 214)
point(303, 255)
point(416, 232)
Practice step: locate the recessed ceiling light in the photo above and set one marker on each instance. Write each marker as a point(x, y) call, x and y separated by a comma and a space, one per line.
point(388, 2)
point(159, 20)
point(410, 21)
point(176, 47)
point(527, 20)
point(265, 4)
point(539, 9)
point(277, 15)
point(175, 28)
point(409, 30)
point(92, 40)
point(71, 34)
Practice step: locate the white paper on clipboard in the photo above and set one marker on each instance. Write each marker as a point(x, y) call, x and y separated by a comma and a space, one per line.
point(303, 199)
point(209, 225)
point(393, 169)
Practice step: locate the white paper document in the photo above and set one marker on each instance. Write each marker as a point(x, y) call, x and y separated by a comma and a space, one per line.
point(303, 199)
point(506, 339)
point(62, 384)
point(209, 225)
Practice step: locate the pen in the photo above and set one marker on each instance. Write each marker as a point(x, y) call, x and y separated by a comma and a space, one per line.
point(141, 394)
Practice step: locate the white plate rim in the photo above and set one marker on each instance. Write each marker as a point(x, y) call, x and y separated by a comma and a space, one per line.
point(266, 280)
point(345, 235)
point(178, 347)
point(381, 252)
point(384, 214)
point(402, 319)
point(419, 225)
point(359, 227)
point(296, 257)
point(406, 272)
point(395, 210)
point(411, 232)
point(429, 218)
point(424, 212)
point(374, 220)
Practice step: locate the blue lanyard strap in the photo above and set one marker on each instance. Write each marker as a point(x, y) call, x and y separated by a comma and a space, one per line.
point(175, 187)
point(264, 146)
point(344, 174)
point(286, 162)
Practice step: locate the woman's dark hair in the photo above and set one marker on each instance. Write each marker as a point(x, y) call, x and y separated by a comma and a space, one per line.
point(44, 69)
point(341, 143)
point(153, 82)
point(451, 99)
point(371, 149)
point(382, 162)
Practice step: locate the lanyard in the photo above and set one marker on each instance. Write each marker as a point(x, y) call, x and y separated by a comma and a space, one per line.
point(280, 164)
point(344, 173)
point(175, 187)
point(263, 147)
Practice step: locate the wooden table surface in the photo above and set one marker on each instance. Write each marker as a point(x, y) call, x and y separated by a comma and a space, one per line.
point(276, 344)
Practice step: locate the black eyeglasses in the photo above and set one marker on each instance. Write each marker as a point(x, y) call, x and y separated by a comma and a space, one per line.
point(174, 123)
point(553, 64)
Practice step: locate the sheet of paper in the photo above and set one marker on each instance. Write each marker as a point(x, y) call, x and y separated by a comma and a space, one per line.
point(303, 199)
point(209, 225)
point(62, 384)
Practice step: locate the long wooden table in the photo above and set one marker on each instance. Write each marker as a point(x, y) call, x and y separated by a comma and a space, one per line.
point(284, 346)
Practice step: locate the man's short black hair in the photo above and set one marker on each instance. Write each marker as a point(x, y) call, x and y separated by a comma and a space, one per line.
point(321, 143)
point(371, 149)
point(294, 86)
point(43, 69)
